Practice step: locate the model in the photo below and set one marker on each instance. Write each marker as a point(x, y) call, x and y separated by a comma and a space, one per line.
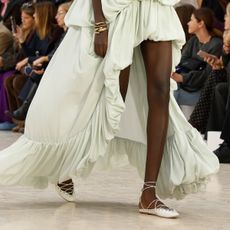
point(74, 119)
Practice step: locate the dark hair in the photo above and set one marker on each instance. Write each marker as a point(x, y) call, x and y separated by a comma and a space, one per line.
point(207, 16)
point(28, 8)
point(184, 13)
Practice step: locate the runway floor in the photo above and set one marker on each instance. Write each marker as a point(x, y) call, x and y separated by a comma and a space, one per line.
point(107, 201)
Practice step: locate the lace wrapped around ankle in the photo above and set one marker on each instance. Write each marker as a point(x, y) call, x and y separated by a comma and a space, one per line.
point(159, 208)
point(66, 190)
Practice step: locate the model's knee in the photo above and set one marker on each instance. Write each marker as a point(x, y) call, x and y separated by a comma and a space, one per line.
point(158, 90)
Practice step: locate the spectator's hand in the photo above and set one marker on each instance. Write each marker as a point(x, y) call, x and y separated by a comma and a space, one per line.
point(101, 43)
point(226, 48)
point(226, 41)
point(21, 64)
point(19, 35)
point(39, 72)
point(215, 63)
point(38, 62)
point(1, 62)
point(177, 77)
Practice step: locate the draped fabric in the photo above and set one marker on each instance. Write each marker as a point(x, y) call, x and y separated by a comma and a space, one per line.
point(78, 120)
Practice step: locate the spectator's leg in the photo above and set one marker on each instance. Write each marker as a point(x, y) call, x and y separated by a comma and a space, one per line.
point(18, 83)
point(8, 84)
point(217, 113)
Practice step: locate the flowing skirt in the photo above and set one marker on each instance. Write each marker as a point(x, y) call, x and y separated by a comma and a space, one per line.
point(78, 120)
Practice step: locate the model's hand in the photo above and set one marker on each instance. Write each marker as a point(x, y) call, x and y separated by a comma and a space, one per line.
point(177, 77)
point(101, 43)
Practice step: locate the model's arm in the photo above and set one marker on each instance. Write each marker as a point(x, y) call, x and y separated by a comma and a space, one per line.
point(98, 13)
point(101, 30)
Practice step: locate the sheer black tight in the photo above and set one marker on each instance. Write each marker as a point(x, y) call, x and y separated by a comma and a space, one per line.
point(157, 58)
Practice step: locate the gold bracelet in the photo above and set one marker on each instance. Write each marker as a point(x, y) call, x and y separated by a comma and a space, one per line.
point(99, 30)
point(100, 27)
point(100, 24)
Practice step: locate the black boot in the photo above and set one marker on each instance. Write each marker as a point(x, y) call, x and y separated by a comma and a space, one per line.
point(223, 153)
point(20, 113)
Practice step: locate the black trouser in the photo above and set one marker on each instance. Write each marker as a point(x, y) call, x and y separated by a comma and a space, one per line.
point(225, 134)
point(218, 108)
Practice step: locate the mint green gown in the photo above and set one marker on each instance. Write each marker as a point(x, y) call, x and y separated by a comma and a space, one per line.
point(78, 120)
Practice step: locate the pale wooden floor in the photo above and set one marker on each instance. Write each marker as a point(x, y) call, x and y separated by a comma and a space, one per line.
point(108, 200)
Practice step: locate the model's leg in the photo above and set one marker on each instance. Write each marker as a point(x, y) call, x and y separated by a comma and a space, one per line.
point(124, 81)
point(158, 62)
point(66, 188)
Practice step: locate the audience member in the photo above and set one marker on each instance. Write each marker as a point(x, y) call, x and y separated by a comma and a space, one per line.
point(218, 7)
point(6, 39)
point(220, 109)
point(14, 82)
point(48, 34)
point(6, 43)
point(61, 12)
point(184, 13)
point(192, 71)
point(11, 8)
point(200, 115)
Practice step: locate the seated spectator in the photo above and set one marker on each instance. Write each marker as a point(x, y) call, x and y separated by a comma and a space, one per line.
point(61, 12)
point(218, 7)
point(8, 49)
point(6, 39)
point(184, 13)
point(16, 80)
point(11, 8)
point(219, 118)
point(200, 115)
point(49, 35)
point(6, 44)
point(192, 71)
point(220, 110)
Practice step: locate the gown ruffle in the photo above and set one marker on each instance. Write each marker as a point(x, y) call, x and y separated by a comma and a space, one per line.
point(78, 120)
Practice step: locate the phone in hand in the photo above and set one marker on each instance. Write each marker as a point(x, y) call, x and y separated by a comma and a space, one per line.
point(204, 54)
point(13, 24)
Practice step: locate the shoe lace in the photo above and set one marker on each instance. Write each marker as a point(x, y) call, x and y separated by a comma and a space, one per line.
point(157, 203)
point(67, 187)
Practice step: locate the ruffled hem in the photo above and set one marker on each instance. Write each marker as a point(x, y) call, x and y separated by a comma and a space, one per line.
point(36, 162)
point(186, 165)
point(186, 161)
point(184, 170)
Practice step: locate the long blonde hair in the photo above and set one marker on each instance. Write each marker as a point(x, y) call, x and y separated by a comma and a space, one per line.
point(45, 12)
point(65, 6)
